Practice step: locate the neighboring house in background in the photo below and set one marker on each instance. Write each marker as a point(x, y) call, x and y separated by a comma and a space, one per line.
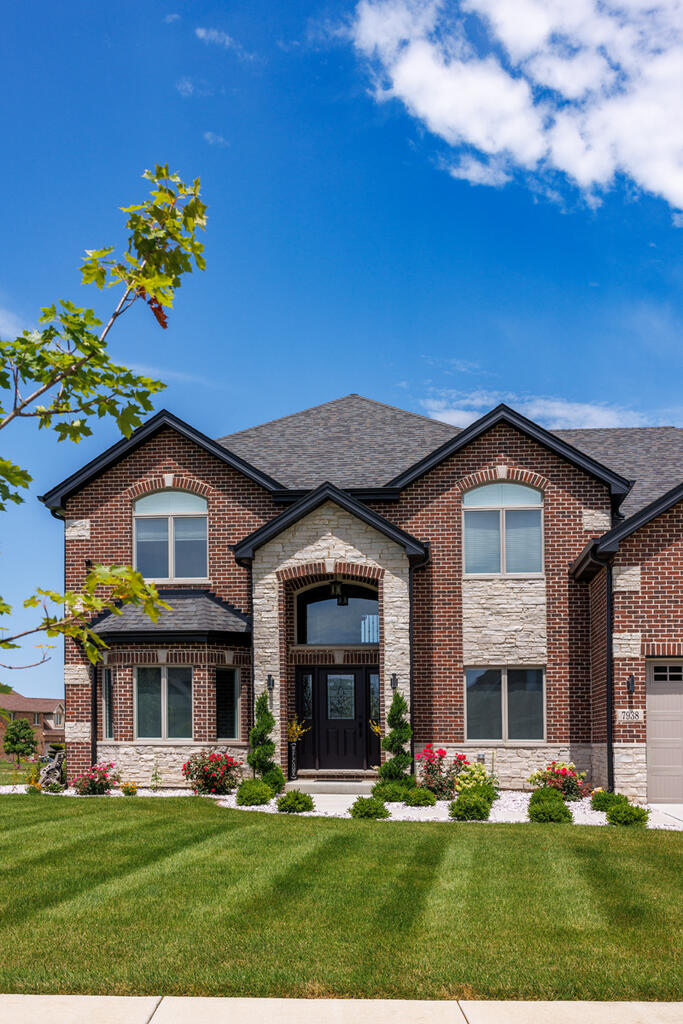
point(45, 714)
point(521, 587)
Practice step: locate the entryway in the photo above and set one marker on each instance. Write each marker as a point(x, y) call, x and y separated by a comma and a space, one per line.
point(665, 732)
point(337, 703)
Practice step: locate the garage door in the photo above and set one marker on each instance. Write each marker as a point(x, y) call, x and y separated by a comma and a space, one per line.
point(665, 733)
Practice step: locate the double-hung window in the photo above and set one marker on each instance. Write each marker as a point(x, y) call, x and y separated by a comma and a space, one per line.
point(505, 704)
point(171, 536)
point(227, 704)
point(107, 705)
point(36, 718)
point(163, 697)
point(503, 528)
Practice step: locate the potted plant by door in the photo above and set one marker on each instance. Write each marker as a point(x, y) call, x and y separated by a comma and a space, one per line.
point(295, 730)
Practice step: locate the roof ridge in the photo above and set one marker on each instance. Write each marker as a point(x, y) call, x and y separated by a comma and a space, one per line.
point(592, 430)
point(334, 401)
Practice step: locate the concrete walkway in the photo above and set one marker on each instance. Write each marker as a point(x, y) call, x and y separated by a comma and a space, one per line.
point(20, 1009)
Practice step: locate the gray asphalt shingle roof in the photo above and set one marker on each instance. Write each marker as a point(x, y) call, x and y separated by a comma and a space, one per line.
point(191, 612)
point(356, 442)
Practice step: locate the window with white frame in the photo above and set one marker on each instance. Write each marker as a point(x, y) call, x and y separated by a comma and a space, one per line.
point(505, 704)
point(36, 718)
point(163, 698)
point(171, 536)
point(108, 704)
point(57, 718)
point(227, 704)
point(503, 526)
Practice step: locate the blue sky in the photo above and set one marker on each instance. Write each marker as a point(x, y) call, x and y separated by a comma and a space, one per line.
point(348, 248)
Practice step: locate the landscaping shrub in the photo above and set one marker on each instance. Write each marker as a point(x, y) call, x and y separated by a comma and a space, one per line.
point(420, 797)
point(129, 788)
point(398, 766)
point(368, 807)
point(437, 776)
point(602, 799)
point(473, 776)
point(295, 802)
point(34, 789)
point(97, 780)
point(260, 756)
point(53, 787)
point(546, 793)
point(561, 775)
point(275, 778)
point(547, 809)
point(391, 792)
point(211, 772)
point(254, 791)
point(626, 814)
point(470, 806)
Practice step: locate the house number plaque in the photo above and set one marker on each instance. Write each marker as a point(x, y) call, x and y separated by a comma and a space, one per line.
point(630, 715)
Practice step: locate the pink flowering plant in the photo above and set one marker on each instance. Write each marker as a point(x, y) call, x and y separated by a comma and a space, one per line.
point(561, 775)
point(212, 772)
point(437, 775)
point(98, 780)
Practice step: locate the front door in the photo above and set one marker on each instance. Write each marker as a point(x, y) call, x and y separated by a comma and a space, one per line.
point(337, 703)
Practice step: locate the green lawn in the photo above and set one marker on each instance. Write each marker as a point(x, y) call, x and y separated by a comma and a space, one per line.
point(180, 896)
point(8, 771)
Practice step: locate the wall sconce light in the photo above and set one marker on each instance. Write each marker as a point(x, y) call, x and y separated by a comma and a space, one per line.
point(270, 683)
point(394, 681)
point(336, 591)
point(88, 563)
point(631, 684)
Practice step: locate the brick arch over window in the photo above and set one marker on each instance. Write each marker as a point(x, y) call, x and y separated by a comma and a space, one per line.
point(167, 482)
point(295, 578)
point(501, 474)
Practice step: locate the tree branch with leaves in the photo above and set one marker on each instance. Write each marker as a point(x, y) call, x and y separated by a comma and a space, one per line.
point(63, 377)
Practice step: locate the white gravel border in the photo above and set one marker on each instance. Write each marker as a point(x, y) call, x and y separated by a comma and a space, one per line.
point(510, 807)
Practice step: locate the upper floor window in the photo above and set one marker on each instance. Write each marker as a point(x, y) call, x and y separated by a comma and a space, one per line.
point(36, 718)
point(338, 613)
point(171, 536)
point(503, 530)
point(57, 718)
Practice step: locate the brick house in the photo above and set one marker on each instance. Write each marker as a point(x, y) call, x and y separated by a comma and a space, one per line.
point(521, 587)
point(45, 714)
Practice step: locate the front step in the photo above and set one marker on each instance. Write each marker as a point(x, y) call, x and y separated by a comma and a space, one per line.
point(319, 786)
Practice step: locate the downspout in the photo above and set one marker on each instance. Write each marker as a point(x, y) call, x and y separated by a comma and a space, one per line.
point(252, 703)
point(93, 714)
point(410, 644)
point(609, 676)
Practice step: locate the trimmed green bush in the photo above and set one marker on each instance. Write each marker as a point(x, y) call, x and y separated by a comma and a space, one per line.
point(420, 797)
point(628, 815)
point(546, 794)
point(396, 740)
point(470, 807)
point(275, 778)
point(546, 809)
point(260, 756)
point(254, 791)
point(603, 800)
point(390, 792)
point(368, 807)
point(295, 802)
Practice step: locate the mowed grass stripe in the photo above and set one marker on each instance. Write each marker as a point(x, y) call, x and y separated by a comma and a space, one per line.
point(224, 902)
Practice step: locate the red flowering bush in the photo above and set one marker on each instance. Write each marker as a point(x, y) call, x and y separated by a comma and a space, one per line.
point(97, 780)
point(561, 775)
point(438, 776)
point(212, 772)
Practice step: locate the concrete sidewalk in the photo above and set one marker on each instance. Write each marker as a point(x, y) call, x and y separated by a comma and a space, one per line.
point(20, 1009)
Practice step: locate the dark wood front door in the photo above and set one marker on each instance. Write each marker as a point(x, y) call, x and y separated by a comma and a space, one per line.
point(337, 704)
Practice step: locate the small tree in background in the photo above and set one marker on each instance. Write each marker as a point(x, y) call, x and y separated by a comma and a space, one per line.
point(398, 766)
point(20, 740)
point(260, 757)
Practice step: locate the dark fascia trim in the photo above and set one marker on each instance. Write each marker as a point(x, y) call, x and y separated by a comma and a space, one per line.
point(619, 486)
point(288, 497)
point(417, 552)
point(56, 496)
point(609, 543)
point(588, 564)
point(176, 636)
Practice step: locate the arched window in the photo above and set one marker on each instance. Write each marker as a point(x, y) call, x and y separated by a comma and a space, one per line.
point(338, 613)
point(503, 530)
point(170, 536)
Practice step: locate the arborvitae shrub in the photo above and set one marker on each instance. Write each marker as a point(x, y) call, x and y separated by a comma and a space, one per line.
point(396, 740)
point(275, 778)
point(254, 791)
point(626, 814)
point(295, 802)
point(260, 756)
point(603, 800)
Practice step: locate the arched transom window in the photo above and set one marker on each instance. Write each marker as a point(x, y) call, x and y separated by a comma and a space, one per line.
point(503, 530)
point(338, 613)
point(171, 536)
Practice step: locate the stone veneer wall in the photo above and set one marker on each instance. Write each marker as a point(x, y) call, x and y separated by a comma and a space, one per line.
point(513, 765)
point(504, 621)
point(136, 761)
point(630, 769)
point(329, 534)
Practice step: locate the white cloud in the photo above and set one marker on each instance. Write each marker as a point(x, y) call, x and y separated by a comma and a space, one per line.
point(188, 87)
point(216, 37)
point(214, 139)
point(462, 408)
point(677, 219)
point(588, 89)
point(10, 325)
point(170, 18)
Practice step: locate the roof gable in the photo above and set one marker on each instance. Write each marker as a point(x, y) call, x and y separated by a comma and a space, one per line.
point(619, 486)
point(55, 498)
point(416, 551)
